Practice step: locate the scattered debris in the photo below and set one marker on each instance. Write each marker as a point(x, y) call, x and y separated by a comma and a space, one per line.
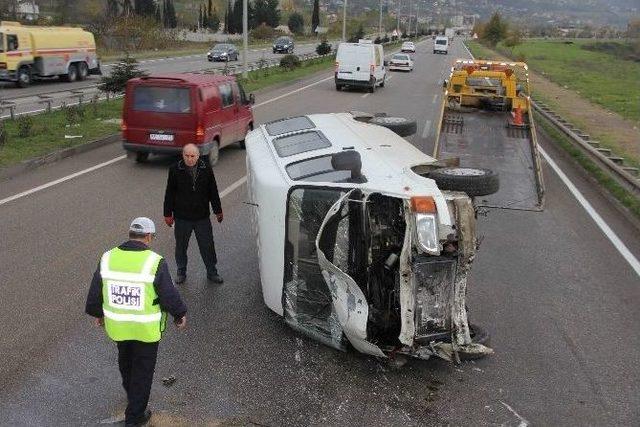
point(169, 381)
point(72, 136)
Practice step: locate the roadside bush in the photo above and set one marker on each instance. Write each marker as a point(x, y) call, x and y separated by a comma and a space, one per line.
point(25, 126)
point(323, 48)
point(289, 62)
point(123, 71)
point(385, 39)
point(73, 114)
point(262, 32)
point(378, 40)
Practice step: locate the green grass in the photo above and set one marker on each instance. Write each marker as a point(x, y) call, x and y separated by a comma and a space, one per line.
point(601, 77)
point(627, 199)
point(48, 131)
point(260, 79)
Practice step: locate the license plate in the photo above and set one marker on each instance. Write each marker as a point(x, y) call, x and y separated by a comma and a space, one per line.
point(162, 137)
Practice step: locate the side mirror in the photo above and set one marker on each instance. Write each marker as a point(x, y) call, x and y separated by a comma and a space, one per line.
point(386, 63)
point(252, 99)
point(348, 161)
point(445, 82)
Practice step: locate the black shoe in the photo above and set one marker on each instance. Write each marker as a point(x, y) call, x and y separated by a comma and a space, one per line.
point(142, 421)
point(215, 278)
point(180, 278)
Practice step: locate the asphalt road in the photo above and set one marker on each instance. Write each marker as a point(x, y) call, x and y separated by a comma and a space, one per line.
point(29, 99)
point(557, 296)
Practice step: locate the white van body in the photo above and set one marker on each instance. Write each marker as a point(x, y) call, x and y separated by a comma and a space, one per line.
point(360, 65)
point(441, 45)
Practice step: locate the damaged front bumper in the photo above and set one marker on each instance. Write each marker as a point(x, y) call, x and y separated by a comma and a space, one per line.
point(381, 291)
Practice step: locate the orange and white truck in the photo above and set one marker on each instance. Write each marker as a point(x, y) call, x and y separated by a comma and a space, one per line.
point(29, 52)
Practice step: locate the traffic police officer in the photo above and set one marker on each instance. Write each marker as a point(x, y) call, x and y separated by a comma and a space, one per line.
point(130, 296)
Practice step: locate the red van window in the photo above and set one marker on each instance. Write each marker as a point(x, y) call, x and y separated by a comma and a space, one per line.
point(162, 99)
point(226, 94)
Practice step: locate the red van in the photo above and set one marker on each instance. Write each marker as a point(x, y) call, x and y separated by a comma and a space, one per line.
point(162, 113)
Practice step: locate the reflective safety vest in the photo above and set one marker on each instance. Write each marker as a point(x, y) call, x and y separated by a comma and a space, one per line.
point(130, 303)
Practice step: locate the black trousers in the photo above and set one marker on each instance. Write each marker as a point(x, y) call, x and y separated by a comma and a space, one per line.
point(204, 236)
point(137, 362)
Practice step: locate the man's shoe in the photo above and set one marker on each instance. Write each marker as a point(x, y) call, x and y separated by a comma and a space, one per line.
point(215, 278)
point(180, 278)
point(142, 421)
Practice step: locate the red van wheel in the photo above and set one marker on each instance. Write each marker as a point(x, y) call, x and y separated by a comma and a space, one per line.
point(214, 154)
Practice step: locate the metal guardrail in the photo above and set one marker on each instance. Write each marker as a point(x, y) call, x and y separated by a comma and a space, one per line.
point(611, 164)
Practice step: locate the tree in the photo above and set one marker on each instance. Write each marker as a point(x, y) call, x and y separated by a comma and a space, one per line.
point(124, 70)
point(633, 29)
point(144, 7)
point(495, 30)
point(273, 16)
point(213, 21)
point(315, 16)
point(296, 23)
point(227, 18)
point(513, 39)
point(236, 18)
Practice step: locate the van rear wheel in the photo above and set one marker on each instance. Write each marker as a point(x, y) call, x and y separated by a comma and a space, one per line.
point(142, 157)
point(214, 154)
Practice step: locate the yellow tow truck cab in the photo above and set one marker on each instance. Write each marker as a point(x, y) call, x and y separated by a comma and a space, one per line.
point(30, 52)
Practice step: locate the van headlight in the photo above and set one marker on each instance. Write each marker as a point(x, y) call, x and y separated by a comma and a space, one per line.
point(427, 231)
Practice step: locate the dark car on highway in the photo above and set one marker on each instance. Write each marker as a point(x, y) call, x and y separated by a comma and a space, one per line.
point(223, 52)
point(283, 45)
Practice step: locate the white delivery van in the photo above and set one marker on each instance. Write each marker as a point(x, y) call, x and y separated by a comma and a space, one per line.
point(360, 65)
point(441, 45)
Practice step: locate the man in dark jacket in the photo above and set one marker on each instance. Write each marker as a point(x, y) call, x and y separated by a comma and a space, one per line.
point(130, 294)
point(191, 188)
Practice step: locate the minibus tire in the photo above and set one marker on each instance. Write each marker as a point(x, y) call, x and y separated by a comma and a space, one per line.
point(72, 74)
point(473, 181)
point(83, 71)
point(399, 125)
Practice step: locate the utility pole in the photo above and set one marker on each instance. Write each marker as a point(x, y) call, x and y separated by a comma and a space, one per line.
point(380, 21)
point(409, 24)
point(245, 37)
point(344, 21)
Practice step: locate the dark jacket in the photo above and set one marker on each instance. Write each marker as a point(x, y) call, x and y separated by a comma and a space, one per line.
point(186, 199)
point(168, 296)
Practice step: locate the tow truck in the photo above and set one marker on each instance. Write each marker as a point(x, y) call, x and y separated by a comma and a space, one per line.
point(486, 123)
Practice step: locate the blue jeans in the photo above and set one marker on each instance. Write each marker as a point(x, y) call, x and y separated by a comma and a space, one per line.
point(204, 236)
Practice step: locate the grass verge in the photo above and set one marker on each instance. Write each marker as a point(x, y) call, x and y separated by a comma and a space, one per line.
point(33, 136)
point(627, 199)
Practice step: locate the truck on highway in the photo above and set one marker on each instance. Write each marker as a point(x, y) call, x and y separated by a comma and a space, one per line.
point(486, 124)
point(449, 33)
point(30, 52)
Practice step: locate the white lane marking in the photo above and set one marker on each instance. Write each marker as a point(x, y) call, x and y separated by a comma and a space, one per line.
point(523, 422)
point(233, 186)
point(61, 180)
point(365, 95)
point(269, 101)
point(435, 98)
point(427, 129)
point(611, 235)
point(117, 159)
